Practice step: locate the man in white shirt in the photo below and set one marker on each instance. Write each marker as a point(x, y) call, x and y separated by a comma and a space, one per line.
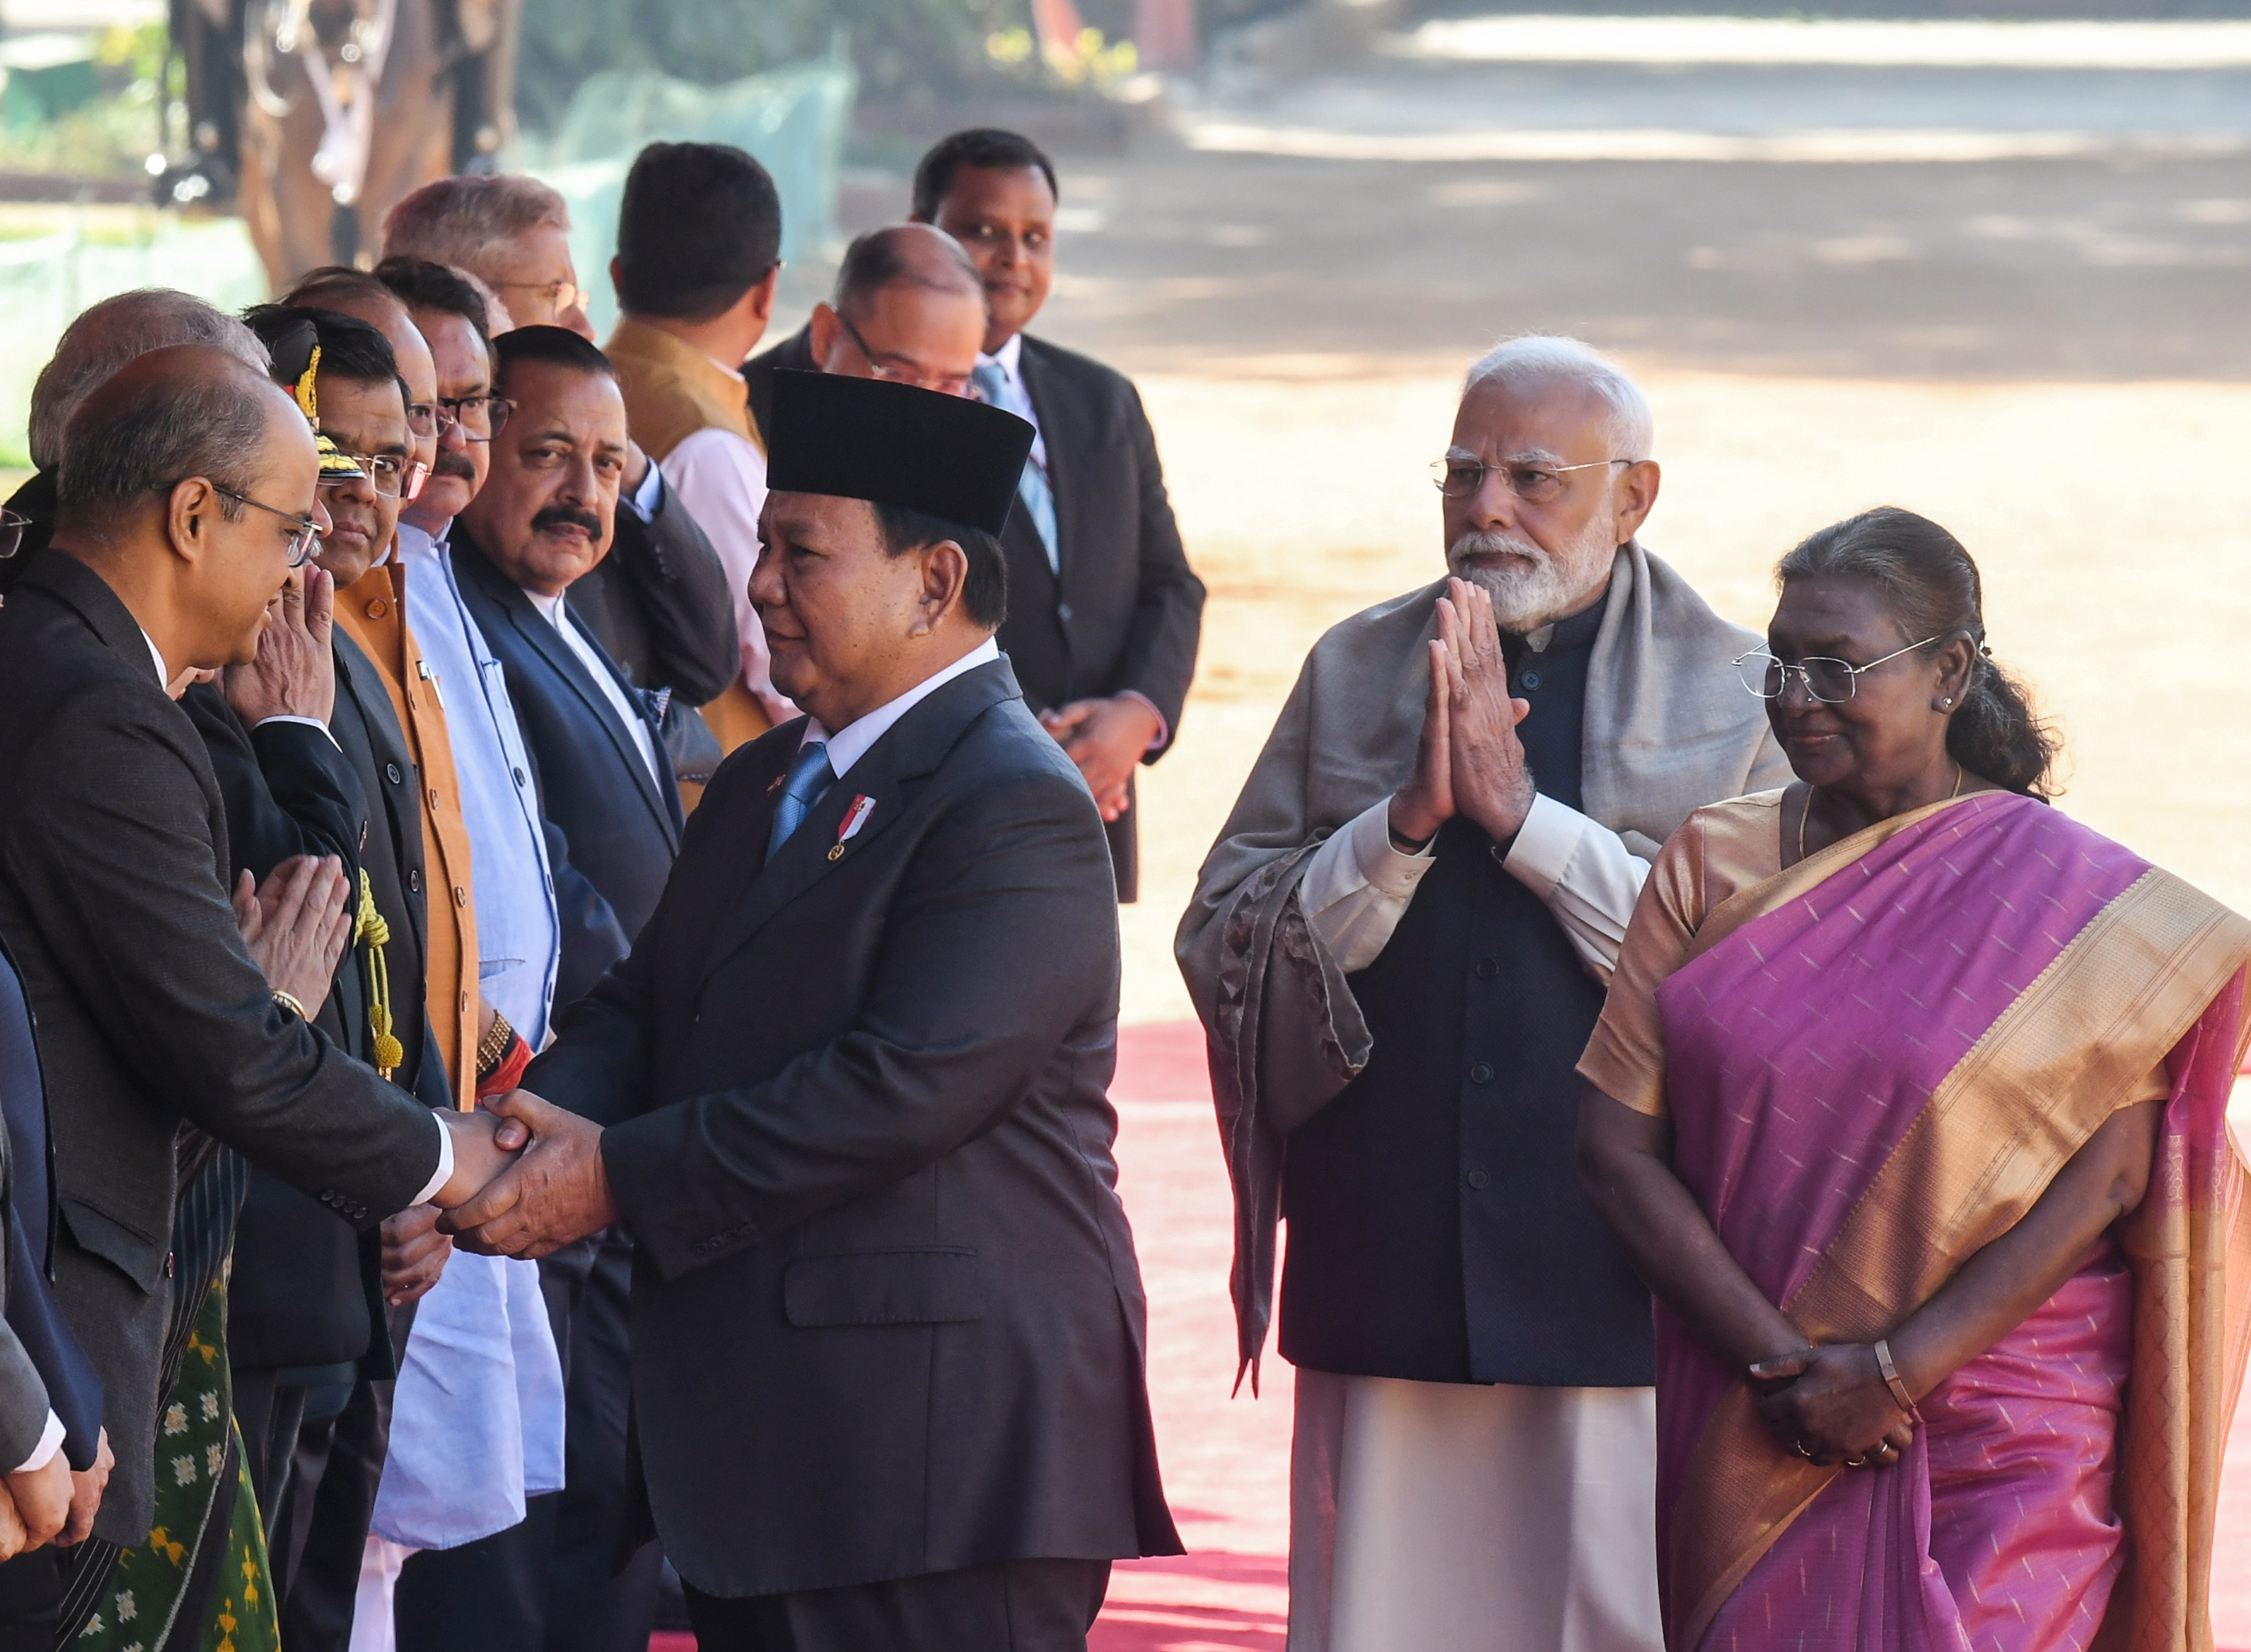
point(699, 237)
point(1399, 946)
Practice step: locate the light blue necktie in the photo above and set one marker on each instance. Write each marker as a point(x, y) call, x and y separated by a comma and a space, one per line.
point(1032, 487)
point(809, 776)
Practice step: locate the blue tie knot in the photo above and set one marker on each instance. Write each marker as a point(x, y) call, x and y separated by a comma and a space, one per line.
point(809, 776)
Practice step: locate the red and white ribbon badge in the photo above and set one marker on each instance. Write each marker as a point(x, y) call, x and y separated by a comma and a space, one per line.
point(855, 818)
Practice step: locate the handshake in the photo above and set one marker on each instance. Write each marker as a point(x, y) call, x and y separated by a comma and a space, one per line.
point(528, 1178)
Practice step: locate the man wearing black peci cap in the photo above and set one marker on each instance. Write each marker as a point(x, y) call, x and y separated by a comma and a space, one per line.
point(848, 1095)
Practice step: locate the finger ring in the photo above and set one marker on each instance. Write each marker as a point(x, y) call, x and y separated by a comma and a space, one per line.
point(1803, 1450)
point(1860, 1461)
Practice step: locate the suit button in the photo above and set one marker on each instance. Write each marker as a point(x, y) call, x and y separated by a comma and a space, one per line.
point(392, 773)
point(414, 879)
point(519, 776)
point(171, 1262)
point(1063, 611)
point(461, 895)
point(1486, 969)
point(1481, 1074)
point(1530, 680)
point(376, 609)
point(1478, 1180)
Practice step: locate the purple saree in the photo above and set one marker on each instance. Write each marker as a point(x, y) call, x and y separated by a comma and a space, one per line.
point(1874, 1064)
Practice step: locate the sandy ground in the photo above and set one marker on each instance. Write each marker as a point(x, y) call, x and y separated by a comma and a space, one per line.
point(2110, 521)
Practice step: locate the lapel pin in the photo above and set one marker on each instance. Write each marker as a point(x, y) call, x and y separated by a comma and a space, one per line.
point(855, 818)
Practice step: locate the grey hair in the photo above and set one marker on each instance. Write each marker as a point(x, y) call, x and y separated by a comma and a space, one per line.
point(1534, 356)
point(106, 336)
point(904, 254)
point(458, 220)
point(214, 426)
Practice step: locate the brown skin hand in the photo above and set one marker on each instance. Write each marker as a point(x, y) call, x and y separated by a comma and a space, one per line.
point(549, 506)
point(458, 469)
point(1004, 217)
point(1878, 754)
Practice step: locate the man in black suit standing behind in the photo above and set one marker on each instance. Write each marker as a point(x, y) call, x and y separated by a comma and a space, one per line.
point(848, 1094)
point(1104, 611)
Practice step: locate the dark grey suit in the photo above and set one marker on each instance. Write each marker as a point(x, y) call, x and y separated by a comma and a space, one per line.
point(114, 903)
point(886, 1320)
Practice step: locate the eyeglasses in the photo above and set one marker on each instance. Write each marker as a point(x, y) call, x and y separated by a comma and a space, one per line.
point(479, 417)
point(13, 526)
point(560, 295)
point(302, 543)
point(1831, 681)
point(881, 367)
point(394, 477)
point(1459, 478)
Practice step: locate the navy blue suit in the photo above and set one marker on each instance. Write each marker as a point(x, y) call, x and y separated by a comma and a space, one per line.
point(545, 1585)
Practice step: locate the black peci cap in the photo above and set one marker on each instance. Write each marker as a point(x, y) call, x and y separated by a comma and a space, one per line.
point(896, 444)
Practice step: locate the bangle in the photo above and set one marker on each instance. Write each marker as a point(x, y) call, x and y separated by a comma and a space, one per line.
point(289, 1001)
point(494, 1045)
point(508, 1072)
point(1883, 1347)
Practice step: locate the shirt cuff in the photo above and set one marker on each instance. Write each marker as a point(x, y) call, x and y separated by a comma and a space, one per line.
point(1388, 870)
point(445, 1164)
point(51, 1441)
point(644, 501)
point(310, 722)
point(1164, 729)
point(1545, 844)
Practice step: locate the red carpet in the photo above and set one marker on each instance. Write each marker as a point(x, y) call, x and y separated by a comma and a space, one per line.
point(1227, 1461)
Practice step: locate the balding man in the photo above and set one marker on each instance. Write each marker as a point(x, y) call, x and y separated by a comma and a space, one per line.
point(188, 491)
point(513, 233)
point(1399, 946)
point(909, 307)
point(104, 337)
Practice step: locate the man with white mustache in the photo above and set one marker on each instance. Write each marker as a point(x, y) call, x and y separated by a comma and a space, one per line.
point(1399, 946)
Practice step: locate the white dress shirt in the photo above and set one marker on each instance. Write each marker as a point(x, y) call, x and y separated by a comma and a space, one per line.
point(721, 478)
point(1358, 886)
point(555, 611)
point(849, 743)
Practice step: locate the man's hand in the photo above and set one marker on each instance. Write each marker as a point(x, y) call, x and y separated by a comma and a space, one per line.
point(414, 1253)
point(86, 1495)
point(296, 925)
point(294, 673)
point(13, 1538)
point(485, 1145)
point(1426, 802)
point(1492, 782)
point(1106, 738)
point(558, 1191)
point(636, 470)
point(42, 1496)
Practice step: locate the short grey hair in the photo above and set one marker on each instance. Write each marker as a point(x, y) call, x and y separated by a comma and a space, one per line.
point(1535, 356)
point(117, 452)
point(110, 334)
point(459, 220)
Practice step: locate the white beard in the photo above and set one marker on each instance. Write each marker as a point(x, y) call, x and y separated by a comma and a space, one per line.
point(1543, 587)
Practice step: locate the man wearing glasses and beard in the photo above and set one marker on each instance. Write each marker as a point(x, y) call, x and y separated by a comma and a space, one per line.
point(1399, 949)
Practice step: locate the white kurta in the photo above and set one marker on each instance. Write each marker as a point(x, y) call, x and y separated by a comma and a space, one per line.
point(1431, 1517)
point(1460, 1517)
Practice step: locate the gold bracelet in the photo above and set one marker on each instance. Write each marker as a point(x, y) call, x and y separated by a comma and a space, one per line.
point(1891, 1375)
point(493, 1048)
point(289, 1001)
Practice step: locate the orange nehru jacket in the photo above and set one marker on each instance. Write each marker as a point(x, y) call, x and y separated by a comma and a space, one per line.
point(373, 610)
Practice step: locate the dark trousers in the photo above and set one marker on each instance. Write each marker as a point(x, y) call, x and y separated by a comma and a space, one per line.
point(547, 1584)
point(339, 1465)
point(1010, 1606)
point(31, 1597)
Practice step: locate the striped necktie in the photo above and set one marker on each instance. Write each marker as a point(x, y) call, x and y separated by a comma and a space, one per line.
point(1032, 487)
point(809, 776)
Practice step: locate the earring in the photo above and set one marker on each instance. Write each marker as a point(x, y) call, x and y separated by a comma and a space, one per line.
point(1947, 701)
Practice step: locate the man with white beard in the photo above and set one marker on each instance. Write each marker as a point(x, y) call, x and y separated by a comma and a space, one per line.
point(1399, 946)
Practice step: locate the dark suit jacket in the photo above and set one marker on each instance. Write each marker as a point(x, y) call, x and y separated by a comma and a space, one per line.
point(886, 1316)
point(1127, 613)
point(659, 604)
point(793, 355)
point(621, 822)
point(113, 868)
point(306, 1287)
point(60, 1375)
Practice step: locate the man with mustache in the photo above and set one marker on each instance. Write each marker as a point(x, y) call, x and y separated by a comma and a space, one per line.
point(542, 520)
point(1399, 946)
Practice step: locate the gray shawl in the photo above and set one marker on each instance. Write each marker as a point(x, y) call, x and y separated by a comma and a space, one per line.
point(1668, 729)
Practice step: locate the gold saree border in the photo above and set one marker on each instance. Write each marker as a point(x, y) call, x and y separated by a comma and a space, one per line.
point(2117, 1000)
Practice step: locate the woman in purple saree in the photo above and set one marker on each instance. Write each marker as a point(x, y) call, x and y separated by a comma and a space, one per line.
point(1908, 1100)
